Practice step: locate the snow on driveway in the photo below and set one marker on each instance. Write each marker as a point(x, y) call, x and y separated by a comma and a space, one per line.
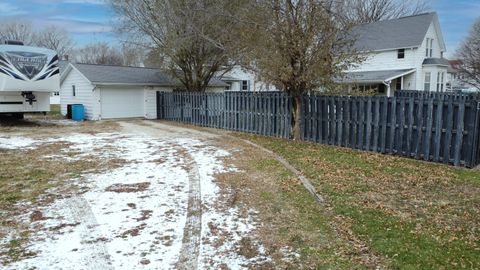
point(135, 216)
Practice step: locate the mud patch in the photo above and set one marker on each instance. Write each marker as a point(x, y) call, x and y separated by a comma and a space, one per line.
point(128, 188)
point(134, 231)
point(144, 215)
point(37, 215)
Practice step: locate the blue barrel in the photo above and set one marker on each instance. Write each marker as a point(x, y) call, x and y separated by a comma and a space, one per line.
point(78, 112)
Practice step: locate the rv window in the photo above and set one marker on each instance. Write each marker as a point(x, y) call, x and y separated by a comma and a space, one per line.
point(73, 90)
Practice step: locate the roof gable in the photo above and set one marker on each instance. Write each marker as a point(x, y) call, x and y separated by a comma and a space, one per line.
point(405, 32)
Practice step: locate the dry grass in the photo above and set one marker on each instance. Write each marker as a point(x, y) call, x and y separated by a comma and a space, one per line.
point(288, 215)
point(26, 177)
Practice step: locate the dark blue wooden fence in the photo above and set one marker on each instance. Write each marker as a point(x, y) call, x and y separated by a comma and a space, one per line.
point(442, 130)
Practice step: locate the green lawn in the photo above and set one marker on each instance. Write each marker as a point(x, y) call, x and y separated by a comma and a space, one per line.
point(54, 109)
point(411, 214)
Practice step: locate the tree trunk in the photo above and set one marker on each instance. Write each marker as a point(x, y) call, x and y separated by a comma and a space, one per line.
point(296, 119)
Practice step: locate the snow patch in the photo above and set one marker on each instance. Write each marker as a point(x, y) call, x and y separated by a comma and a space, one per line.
point(16, 142)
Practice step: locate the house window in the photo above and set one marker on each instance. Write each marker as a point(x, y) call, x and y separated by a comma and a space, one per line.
point(431, 47)
point(426, 47)
point(427, 81)
point(229, 86)
point(401, 54)
point(245, 86)
point(73, 90)
point(442, 74)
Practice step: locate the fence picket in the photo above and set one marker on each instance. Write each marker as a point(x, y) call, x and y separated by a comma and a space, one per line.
point(393, 124)
point(448, 133)
point(428, 134)
point(459, 133)
point(418, 149)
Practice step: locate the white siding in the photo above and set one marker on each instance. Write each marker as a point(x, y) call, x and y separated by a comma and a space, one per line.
point(388, 60)
point(409, 82)
point(150, 104)
point(254, 83)
point(84, 94)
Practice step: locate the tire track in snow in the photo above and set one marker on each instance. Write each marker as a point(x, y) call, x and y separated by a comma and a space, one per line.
point(192, 231)
point(81, 212)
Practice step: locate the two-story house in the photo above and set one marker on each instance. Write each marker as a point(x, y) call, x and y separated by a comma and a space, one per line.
point(405, 53)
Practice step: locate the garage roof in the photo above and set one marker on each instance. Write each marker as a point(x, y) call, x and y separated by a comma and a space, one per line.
point(123, 75)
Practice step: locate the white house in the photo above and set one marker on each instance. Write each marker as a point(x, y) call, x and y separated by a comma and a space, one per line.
point(108, 92)
point(456, 81)
point(240, 79)
point(405, 53)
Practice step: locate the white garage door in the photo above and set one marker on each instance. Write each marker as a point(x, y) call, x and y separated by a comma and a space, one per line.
point(122, 103)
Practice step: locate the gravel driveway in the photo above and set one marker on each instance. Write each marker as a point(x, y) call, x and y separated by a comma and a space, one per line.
point(159, 207)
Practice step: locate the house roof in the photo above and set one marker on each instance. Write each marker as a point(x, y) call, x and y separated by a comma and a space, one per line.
point(374, 76)
point(124, 75)
point(436, 61)
point(229, 79)
point(405, 32)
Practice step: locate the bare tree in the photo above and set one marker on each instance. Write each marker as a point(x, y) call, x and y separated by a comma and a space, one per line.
point(99, 53)
point(133, 54)
point(299, 45)
point(154, 58)
point(469, 55)
point(367, 11)
point(18, 31)
point(189, 36)
point(56, 39)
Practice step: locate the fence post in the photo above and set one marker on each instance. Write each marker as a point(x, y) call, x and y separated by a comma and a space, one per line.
point(159, 105)
point(476, 136)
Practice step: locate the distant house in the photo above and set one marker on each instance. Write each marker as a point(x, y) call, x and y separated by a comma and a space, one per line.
point(405, 53)
point(455, 80)
point(240, 79)
point(109, 92)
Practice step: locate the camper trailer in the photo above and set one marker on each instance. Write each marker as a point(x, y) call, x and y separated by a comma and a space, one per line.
point(28, 76)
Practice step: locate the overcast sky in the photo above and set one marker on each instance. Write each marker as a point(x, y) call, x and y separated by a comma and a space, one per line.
point(91, 20)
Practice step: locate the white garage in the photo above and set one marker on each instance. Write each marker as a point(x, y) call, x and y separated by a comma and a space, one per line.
point(110, 92)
